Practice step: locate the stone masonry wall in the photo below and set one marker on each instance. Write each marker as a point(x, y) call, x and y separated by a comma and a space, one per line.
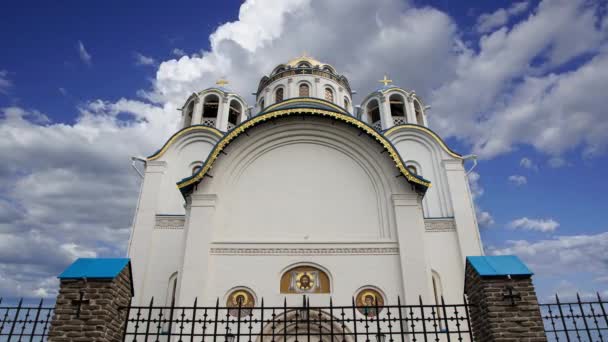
point(100, 319)
point(494, 317)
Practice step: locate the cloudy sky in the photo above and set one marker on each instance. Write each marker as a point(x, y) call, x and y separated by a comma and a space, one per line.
point(84, 86)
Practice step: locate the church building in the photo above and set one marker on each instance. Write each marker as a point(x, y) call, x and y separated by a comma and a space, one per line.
point(303, 193)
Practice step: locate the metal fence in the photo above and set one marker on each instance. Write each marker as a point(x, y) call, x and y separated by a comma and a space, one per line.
point(25, 322)
point(305, 323)
point(580, 320)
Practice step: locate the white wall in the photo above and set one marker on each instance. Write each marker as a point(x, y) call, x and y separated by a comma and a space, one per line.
point(302, 191)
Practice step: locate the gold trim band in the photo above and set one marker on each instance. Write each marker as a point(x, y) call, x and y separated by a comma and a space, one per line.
point(392, 152)
point(424, 129)
point(179, 134)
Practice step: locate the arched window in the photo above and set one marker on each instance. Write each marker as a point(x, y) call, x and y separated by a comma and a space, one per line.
point(329, 95)
point(346, 103)
point(412, 169)
point(210, 109)
point(278, 95)
point(397, 109)
point(305, 279)
point(437, 294)
point(418, 111)
point(373, 114)
point(261, 105)
point(172, 289)
point(188, 114)
point(234, 113)
point(304, 90)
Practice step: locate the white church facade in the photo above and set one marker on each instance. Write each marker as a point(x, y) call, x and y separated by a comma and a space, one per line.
point(303, 193)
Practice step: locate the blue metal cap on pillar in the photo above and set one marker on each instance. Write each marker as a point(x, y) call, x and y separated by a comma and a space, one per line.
point(95, 268)
point(499, 265)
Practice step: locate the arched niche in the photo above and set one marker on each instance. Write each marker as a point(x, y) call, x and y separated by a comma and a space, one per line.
point(279, 94)
point(304, 279)
point(234, 114)
point(398, 111)
point(304, 90)
point(211, 105)
point(372, 111)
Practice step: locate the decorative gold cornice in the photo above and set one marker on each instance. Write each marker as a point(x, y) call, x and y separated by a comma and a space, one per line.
point(392, 152)
point(179, 134)
point(426, 130)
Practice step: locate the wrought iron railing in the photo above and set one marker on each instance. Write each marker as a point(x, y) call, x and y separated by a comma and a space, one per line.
point(25, 322)
point(375, 323)
point(580, 320)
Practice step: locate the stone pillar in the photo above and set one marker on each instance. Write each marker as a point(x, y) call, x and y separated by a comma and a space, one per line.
point(464, 210)
point(502, 299)
point(386, 118)
point(193, 276)
point(143, 225)
point(197, 115)
point(410, 236)
point(93, 295)
point(410, 113)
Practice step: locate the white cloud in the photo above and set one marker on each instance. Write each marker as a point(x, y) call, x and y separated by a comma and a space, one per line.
point(518, 180)
point(562, 255)
point(506, 93)
point(489, 21)
point(178, 52)
point(5, 82)
point(484, 218)
point(85, 57)
point(527, 163)
point(541, 225)
point(50, 216)
point(557, 162)
point(144, 60)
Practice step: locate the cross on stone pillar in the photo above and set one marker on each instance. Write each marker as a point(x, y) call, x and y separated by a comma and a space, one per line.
point(503, 303)
point(91, 300)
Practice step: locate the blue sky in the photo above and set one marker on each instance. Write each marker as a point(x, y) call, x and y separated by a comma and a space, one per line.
point(83, 86)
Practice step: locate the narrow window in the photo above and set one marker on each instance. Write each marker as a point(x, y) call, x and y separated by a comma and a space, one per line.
point(329, 95)
point(346, 103)
point(373, 114)
point(278, 95)
point(304, 90)
point(210, 109)
point(234, 114)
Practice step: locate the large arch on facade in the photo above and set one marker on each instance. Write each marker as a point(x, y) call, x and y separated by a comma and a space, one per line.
point(316, 108)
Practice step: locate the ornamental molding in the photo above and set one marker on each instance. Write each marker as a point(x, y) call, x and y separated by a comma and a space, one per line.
point(170, 222)
point(440, 225)
point(306, 251)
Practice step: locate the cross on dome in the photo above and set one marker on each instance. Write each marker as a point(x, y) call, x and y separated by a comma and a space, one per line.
point(385, 80)
point(222, 82)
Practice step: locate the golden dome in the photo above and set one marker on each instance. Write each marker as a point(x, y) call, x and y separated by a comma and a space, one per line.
point(306, 59)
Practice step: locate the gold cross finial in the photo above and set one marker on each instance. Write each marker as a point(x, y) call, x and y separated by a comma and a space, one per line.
point(304, 54)
point(385, 80)
point(221, 82)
